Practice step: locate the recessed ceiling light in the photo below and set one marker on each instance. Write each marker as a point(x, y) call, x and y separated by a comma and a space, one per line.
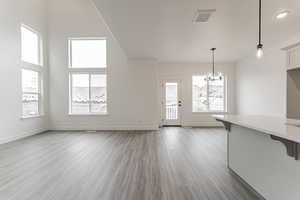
point(282, 14)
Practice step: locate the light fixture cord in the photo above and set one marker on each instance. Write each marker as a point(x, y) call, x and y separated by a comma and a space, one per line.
point(213, 55)
point(259, 22)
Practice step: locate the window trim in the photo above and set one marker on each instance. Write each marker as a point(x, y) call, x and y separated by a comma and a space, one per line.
point(39, 93)
point(71, 94)
point(40, 45)
point(39, 68)
point(207, 89)
point(77, 70)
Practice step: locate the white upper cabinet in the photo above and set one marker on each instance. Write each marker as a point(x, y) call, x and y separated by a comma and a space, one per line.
point(293, 57)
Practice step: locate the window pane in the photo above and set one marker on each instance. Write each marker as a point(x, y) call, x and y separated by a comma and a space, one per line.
point(88, 53)
point(30, 81)
point(30, 46)
point(80, 93)
point(216, 95)
point(30, 103)
point(98, 93)
point(171, 101)
point(200, 103)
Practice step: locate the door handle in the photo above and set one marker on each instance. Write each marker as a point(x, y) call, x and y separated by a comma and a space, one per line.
point(179, 103)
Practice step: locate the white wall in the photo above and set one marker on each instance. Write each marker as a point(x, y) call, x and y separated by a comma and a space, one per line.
point(133, 85)
point(261, 84)
point(184, 72)
point(132, 96)
point(12, 14)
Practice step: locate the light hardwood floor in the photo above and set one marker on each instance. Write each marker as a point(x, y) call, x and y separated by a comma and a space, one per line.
point(172, 164)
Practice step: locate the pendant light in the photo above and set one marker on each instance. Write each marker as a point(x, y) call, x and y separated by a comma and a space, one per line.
point(213, 76)
point(259, 52)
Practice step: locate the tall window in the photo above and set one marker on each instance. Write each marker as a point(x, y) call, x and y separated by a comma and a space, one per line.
point(87, 65)
point(32, 71)
point(209, 96)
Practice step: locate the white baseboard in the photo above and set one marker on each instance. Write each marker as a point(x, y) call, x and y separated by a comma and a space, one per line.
point(108, 127)
point(21, 136)
point(202, 124)
point(101, 127)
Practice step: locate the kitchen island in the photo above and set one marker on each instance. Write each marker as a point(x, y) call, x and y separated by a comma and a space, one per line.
point(264, 152)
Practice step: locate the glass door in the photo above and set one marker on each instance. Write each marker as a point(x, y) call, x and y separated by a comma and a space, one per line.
point(171, 103)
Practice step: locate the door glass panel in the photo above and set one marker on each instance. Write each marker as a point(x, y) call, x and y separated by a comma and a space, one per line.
point(171, 101)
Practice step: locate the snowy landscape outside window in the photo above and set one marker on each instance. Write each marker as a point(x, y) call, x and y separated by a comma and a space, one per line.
point(31, 93)
point(209, 96)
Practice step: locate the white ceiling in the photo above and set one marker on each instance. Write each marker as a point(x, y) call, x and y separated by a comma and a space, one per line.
point(163, 29)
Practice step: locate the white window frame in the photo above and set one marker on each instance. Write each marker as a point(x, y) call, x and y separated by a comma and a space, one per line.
point(207, 92)
point(89, 71)
point(39, 68)
point(70, 52)
point(40, 46)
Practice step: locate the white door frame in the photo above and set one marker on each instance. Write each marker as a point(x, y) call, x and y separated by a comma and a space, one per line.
point(164, 121)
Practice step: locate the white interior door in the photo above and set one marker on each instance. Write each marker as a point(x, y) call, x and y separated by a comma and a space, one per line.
point(171, 103)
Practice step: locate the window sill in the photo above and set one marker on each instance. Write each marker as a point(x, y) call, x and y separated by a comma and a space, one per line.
point(86, 115)
point(32, 117)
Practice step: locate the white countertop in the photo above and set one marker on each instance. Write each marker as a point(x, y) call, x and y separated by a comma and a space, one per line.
point(270, 125)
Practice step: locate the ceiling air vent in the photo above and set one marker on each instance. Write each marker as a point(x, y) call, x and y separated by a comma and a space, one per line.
point(203, 15)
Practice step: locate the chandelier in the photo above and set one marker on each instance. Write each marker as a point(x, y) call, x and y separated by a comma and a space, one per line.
point(214, 76)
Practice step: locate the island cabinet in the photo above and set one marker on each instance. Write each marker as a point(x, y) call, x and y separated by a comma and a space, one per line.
point(263, 152)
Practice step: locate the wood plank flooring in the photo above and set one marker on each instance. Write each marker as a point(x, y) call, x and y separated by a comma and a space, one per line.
point(170, 164)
